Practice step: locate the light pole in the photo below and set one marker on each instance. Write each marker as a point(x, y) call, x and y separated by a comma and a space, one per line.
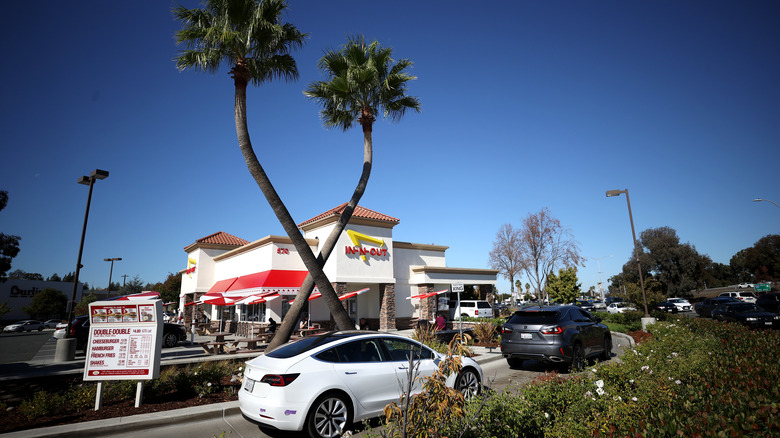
point(598, 260)
point(767, 200)
point(68, 350)
point(111, 272)
point(611, 193)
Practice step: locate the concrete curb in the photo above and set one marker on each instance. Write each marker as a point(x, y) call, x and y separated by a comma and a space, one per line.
point(624, 337)
point(112, 426)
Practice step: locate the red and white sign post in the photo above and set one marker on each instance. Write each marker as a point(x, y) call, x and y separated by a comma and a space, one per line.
point(125, 340)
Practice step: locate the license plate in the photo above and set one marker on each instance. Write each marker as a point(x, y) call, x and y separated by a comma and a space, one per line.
point(249, 385)
point(525, 336)
point(767, 323)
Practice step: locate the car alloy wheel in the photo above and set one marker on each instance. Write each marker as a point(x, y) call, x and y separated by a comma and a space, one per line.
point(329, 416)
point(170, 340)
point(468, 384)
point(578, 358)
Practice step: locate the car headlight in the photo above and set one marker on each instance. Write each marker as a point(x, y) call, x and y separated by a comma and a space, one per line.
point(751, 319)
point(777, 317)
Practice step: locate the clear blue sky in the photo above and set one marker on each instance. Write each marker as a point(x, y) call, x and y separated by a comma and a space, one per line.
point(525, 104)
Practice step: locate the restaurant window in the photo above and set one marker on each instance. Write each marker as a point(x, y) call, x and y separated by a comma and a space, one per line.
point(253, 312)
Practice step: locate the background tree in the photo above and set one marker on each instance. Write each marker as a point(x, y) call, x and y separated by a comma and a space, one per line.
point(250, 37)
point(4, 309)
point(739, 270)
point(48, 303)
point(22, 275)
point(506, 255)
point(134, 286)
point(9, 245)
point(169, 289)
point(678, 267)
point(54, 277)
point(544, 245)
point(82, 307)
point(563, 288)
point(762, 260)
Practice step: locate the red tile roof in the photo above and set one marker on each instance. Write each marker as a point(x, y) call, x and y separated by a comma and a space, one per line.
point(222, 238)
point(360, 212)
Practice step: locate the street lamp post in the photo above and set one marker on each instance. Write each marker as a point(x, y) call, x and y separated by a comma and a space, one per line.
point(598, 260)
point(111, 272)
point(67, 351)
point(767, 200)
point(647, 318)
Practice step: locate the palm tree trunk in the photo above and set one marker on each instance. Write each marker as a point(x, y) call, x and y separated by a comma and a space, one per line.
point(286, 328)
point(339, 313)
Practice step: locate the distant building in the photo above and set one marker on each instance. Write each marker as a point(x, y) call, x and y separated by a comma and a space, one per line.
point(379, 278)
point(19, 294)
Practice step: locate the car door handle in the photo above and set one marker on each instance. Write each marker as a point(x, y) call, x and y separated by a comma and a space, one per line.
point(350, 372)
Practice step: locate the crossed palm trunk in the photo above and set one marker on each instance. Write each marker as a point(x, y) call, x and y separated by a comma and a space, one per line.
point(285, 330)
point(313, 264)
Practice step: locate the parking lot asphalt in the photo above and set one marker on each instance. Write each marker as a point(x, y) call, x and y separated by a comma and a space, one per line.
point(43, 364)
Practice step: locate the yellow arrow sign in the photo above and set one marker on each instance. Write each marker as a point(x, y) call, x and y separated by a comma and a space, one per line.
point(357, 238)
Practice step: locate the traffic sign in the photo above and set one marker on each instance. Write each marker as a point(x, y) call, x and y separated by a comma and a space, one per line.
point(763, 287)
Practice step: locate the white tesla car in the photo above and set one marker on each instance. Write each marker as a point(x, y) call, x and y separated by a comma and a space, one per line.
point(324, 383)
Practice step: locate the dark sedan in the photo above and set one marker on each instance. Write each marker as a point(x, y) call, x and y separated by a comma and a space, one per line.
point(564, 335)
point(172, 333)
point(747, 314)
point(666, 307)
point(704, 308)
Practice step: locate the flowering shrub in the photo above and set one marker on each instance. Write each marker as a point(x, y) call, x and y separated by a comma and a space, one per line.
point(693, 378)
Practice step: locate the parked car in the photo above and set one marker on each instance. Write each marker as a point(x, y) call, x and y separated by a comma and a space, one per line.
point(666, 306)
point(746, 285)
point(748, 297)
point(470, 308)
point(620, 307)
point(172, 333)
point(599, 305)
point(52, 323)
point(564, 335)
point(27, 325)
point(586, 305)
point(747, 314)
point(704, 308)
point(682, 304)
point(769, 302)
point(325, 382)
point(609, 300)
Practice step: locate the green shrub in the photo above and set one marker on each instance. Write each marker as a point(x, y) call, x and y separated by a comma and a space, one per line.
point(694, 377)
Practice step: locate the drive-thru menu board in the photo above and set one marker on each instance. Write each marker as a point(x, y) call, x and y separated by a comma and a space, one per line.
point(124, 340)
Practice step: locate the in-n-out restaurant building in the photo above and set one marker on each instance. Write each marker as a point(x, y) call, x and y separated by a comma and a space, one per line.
point(385, 273)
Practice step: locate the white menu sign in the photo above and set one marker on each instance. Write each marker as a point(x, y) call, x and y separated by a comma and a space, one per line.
point(125, 339)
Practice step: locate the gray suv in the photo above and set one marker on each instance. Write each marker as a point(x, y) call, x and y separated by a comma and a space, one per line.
point(565, 335)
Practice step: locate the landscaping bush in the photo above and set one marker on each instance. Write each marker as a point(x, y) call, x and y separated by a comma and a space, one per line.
point(693, 377)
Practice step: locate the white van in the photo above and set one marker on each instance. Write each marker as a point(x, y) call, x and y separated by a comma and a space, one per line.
point(470, 308)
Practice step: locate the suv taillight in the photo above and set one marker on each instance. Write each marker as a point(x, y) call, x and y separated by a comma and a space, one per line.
point(72, 331)
point(506, 330)
point(552, 330)
point(279, 379)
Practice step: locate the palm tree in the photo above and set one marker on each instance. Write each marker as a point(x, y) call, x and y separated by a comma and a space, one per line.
point(362, 80)
point(248, 35)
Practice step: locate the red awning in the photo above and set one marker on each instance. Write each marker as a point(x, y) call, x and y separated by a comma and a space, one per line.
point(427, 295)
point(274, 281)
point(222, 285)
point(219, 300)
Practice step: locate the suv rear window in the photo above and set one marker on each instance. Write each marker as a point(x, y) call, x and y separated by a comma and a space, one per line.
point(483, 304)
point(533, 318)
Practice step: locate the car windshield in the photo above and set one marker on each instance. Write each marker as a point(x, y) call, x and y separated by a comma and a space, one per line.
point(742, 307)
point(532, 318)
